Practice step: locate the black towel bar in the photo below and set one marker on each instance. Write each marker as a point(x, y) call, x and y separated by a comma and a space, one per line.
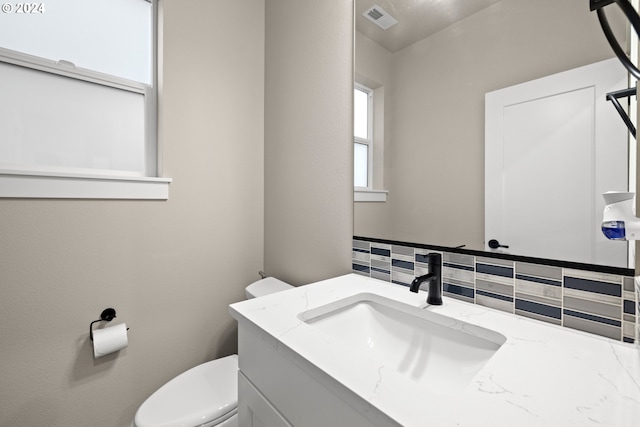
point(624, 93)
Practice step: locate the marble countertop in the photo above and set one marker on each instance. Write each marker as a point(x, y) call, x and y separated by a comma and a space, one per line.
point(543, 375)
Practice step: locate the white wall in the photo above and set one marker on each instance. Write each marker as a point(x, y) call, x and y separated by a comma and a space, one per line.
point(308, 139)
point(171, 268)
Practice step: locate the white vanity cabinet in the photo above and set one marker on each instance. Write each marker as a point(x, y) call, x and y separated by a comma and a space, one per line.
point(278, 388)
point(254, 410)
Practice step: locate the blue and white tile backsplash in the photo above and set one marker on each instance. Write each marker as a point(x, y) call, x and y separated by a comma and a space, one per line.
point(600, 303)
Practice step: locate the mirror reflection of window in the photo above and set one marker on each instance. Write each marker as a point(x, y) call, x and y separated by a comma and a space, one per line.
point(361, 155)
point(362, 138)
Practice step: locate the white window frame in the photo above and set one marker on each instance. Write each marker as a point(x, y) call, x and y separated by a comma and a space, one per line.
point(369, 140)
point(369, 193)
point(69, 183)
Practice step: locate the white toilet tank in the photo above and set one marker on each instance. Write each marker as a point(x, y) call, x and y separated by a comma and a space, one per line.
point(268, 285)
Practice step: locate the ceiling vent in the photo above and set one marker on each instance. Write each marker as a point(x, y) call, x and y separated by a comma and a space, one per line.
point(380, 17)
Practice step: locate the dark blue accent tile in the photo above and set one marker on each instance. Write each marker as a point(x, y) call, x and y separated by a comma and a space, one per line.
point(537, 308)
point(593, 318)
point(360, 250)
point(492, 295)
point(593, 286)
point(458, 266)
point(358, 267)
point(380, 251)
point(400, 283)
point(629, 307)
point(459, 290)
point(422, 258)
point(379, 270)
point(402, 264)
point(629, 340)
point(495, 270)
point(538, 280)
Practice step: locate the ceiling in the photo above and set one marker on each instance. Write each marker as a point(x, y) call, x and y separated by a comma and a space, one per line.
point(417, 19)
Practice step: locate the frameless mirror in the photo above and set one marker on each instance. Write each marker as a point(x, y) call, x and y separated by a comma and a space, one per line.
point(428, 75)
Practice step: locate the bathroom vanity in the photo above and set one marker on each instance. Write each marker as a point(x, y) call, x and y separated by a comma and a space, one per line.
point(355, 351)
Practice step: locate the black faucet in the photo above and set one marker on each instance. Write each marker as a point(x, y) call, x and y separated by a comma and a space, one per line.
point(434, 277)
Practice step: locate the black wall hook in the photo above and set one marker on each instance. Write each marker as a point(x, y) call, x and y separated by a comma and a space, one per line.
point(107, 315)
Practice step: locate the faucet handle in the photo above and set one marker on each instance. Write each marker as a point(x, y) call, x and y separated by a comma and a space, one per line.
point(434, 297)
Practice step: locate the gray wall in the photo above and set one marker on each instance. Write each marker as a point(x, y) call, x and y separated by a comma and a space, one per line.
point(374, 69)
point(171, 268)
point(434, 169)
point(308, 139)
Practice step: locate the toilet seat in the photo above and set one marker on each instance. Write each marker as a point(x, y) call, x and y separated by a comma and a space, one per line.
point(203, 396)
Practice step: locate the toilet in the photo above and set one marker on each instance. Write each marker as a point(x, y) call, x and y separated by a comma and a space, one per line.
point(206, 395)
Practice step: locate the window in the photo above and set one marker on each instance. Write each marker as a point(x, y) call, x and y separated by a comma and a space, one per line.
point(363, 136)
point(78, 114)
point(368, 144)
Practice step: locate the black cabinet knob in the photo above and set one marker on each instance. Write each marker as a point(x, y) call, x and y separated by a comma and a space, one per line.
point(494, 244)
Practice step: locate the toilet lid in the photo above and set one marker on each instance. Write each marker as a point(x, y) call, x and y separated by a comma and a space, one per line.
point(195, 397)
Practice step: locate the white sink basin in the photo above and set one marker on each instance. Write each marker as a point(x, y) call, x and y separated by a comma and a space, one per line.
point(440, 353)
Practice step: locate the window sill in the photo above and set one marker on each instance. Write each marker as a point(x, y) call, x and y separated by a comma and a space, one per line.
point(36, 185)
point(362, 195)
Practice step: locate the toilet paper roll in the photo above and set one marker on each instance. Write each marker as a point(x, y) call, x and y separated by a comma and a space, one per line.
point(109, 340)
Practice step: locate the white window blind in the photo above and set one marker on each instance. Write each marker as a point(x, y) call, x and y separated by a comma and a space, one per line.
point(55, 122)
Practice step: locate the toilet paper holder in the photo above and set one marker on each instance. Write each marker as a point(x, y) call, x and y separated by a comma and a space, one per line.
point(107, 315)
